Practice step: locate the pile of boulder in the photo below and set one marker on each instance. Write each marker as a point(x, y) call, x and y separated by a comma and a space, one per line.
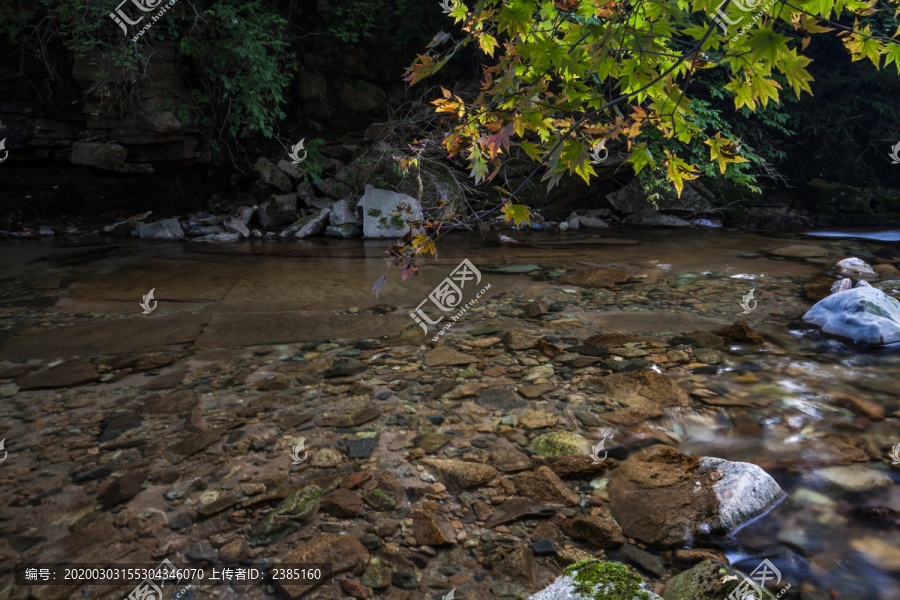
point(860, 313)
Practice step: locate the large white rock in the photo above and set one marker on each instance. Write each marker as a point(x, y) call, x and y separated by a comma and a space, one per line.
point(169, 229)
point(745, 491)
point(563, 588)
point(592, 222)
point(862, 314)
point(343, 212)
point(377, 206)
point(855, 266)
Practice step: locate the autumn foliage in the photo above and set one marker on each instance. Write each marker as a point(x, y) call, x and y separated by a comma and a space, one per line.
point(562, 76)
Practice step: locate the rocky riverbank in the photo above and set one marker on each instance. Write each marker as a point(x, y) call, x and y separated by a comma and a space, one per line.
point(472, 465)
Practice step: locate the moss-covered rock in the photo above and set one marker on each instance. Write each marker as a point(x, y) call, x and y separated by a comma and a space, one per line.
point(709, 580)
point(378, 500)
point(593, 579)
point(560, 443)
point(299, 507)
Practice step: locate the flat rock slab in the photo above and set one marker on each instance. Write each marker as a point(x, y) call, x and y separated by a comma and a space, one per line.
point(99, 338)
point(516, 509)
point(642, 394)
point(641, 321)
point(67, 374)
point(171, 404)
point(442, 356)
point(194, 444)
point(459, 474)
point(799, 251)
point(342, 552)
point(596, 277)
point(351, 418)
point(502, 397)
point(259, 329)
point(854, 479)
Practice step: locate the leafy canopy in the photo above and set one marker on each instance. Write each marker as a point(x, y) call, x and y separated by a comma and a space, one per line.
point(561, 76)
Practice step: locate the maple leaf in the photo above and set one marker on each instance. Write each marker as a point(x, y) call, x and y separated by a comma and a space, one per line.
point(517, 213)
point(724, 151)
point(679, 171)
point(423, 244)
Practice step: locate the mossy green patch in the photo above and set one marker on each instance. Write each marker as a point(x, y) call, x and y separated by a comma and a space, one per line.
point(398, 222)
point(373, 212)
point(600, 580)
point(378, 500)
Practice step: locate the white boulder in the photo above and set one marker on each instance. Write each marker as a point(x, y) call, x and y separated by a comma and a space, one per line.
point(862, 314)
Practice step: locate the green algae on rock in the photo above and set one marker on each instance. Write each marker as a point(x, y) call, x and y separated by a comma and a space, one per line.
point(560, 443)
point(615, 581)
point(600, 580)
point(299, 507)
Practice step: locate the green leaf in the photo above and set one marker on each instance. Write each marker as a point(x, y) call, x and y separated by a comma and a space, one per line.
point(517, 213)
point(640, 157)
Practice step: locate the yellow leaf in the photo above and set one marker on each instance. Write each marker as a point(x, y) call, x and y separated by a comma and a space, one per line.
point(517, 213)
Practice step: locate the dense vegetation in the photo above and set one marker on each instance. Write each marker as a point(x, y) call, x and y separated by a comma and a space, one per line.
point(657, 80)
point(652, 76)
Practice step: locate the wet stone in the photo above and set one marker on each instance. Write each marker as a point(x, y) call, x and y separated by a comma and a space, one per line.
point(201, 552)
point(122, 488)
point(378, 500)
point(628, 366)
point(543, 546)
point(342, 503)
point(431, 442)
point(442, 356)
point(502, 397)
point(180, 521)
point(119, 425)
point(345, 368)
point(94, 474)
point(536, 391)
point(67, 374)
point(537, 419)
point(181, 450)
point(350, 418)
point(361, 448)
point(300, 506)
point(430, 530)
point(174, 403)
point(598, 531)
point(325, 457)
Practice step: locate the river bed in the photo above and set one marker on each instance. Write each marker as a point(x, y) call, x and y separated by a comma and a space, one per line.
point(234, 322)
